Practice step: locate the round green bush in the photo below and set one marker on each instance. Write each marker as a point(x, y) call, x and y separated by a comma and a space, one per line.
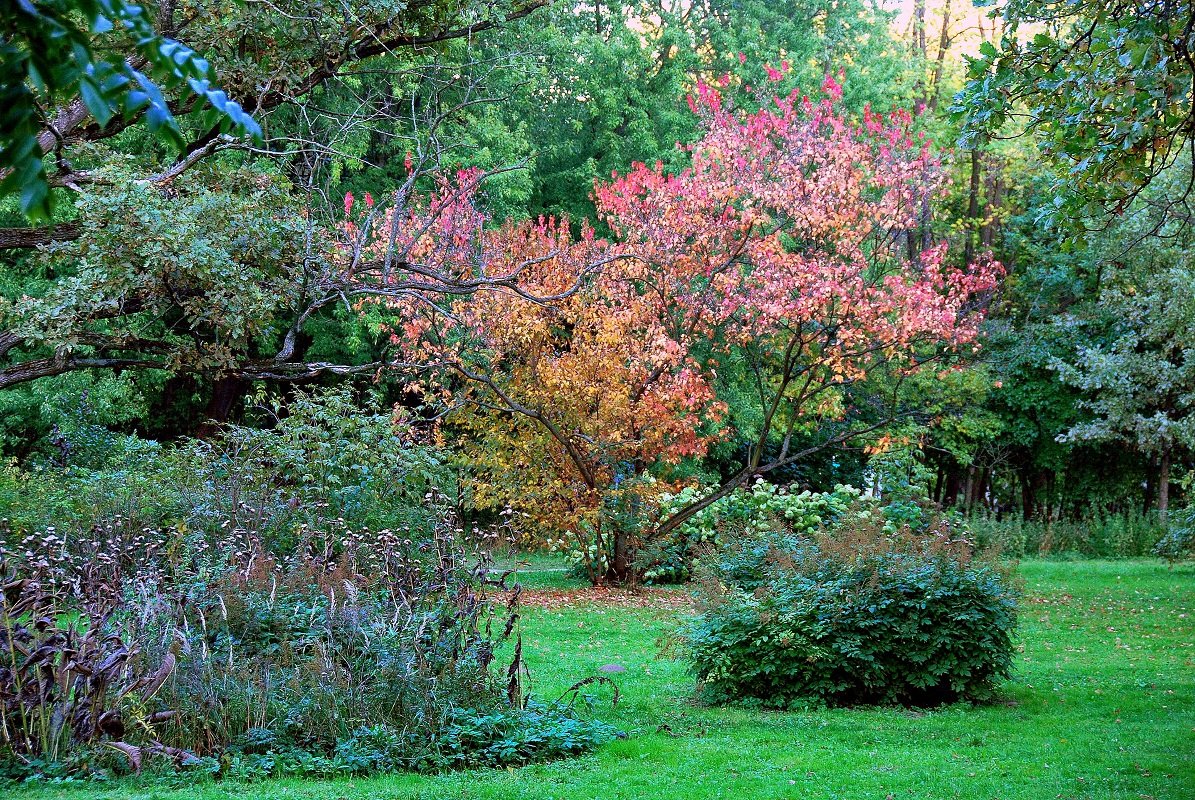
point(861, 614)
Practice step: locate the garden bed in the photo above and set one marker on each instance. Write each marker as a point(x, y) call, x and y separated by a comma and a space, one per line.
point(1103, 706)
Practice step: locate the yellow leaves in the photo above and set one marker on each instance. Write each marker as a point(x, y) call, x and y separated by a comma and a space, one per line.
point(886, 443)
point(881, 445)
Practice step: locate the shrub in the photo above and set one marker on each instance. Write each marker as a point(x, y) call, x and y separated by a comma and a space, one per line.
point(322, 460)
point(383, 656)
point(670, 559)
point(1178, 543)
point(278, 632)
point(856, 613)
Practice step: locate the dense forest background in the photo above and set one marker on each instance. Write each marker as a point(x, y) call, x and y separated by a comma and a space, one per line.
point(156, 290)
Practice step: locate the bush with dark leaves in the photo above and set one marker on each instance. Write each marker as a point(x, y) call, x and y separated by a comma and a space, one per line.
point(859, 613)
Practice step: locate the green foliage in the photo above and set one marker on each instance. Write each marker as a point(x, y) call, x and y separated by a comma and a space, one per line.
point(742, 512)
point(604, 85)
point(46, 59)
point(324, 465)
point(857, 614)
point(1096, 535)
point(1135, 371)
point(298, 670)
point(70, 419)
point(234, 606)
point(1178, 541)
point(538, 732)
point(1084, 366)
point(1105, 86)
point(350, 653)
point(202, 276)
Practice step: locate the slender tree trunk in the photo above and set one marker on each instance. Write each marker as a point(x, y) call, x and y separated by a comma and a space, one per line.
point(1150, 488)
point(943, 44)
point(993, 198)
point(919, 27)
point(1164, 486)
point(1028, 496)
point(972, 208)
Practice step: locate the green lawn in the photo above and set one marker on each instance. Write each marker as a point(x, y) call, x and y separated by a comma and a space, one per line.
point(1103, 707)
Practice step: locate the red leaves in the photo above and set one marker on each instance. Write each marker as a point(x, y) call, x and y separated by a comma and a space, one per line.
point(788, 217)
point(786, 228)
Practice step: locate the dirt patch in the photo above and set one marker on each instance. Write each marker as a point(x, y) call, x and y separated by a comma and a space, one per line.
point(662, 599)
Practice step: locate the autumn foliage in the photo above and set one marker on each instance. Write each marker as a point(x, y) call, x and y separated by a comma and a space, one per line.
point(781, 248)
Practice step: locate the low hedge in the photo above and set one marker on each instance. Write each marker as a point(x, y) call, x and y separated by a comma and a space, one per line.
point(856, 614)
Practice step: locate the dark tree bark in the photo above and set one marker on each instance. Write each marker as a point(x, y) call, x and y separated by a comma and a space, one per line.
point(226, 393)
point(25, 238)
point(1164, 485)
point(972, 208)
point(954, 485)
point(620, 564)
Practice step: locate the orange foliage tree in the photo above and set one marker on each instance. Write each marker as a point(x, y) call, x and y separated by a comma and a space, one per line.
point(780, 248)
point(566, 384)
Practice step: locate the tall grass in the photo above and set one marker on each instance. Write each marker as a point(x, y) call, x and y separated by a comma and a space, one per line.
point(1121, 535)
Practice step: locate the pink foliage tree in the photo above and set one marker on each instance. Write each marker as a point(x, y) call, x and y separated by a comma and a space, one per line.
point(783, 242)
point(781, 250)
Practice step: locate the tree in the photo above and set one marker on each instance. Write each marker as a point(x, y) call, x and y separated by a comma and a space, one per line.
point(219, 261)
point(782, 243)
point(775, 248)
point(602, 85)
point(565, 388)
point(1134, 368)
point(1104, 86)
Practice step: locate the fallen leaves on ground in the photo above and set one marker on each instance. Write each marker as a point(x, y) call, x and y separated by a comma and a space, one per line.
point(664, 599)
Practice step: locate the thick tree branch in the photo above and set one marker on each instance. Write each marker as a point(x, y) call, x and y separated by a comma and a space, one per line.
point(25, 238)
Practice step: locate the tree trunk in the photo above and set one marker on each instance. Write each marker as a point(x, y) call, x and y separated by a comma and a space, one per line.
point(1164, 486)
point(1028, 495)
point(994, 197)
point(919, 28)
point(226, 393)
point(954, 483)
point(620, 569)
point(26, 238)
point(1150, 488)
point(972, 209)
point(943, 43)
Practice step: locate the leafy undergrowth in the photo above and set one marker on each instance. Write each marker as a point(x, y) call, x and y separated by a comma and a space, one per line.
point(1103, 707)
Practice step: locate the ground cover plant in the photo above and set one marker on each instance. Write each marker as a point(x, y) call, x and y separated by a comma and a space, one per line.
point(1102, 705)
point(384, 657)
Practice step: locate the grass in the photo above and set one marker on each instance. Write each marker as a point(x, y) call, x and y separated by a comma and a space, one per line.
point(1103, 707)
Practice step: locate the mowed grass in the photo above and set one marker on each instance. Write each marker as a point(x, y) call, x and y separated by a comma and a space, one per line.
point(1103, 707)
